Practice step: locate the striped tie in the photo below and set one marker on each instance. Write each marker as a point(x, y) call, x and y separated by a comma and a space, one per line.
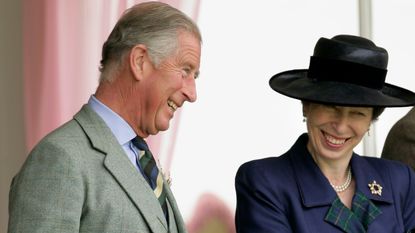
point(150, 171)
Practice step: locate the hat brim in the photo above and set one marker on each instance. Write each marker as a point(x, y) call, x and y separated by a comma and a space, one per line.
point(296, 84)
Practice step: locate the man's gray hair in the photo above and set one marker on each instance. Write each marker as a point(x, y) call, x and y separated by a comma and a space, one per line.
point(153, 24)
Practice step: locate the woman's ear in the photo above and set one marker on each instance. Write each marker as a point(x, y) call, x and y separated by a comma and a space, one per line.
point(136, 60)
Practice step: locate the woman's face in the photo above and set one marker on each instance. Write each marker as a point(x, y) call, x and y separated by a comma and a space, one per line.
point(334, 131)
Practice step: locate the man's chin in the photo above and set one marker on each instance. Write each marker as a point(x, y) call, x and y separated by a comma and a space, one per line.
point(160, 128)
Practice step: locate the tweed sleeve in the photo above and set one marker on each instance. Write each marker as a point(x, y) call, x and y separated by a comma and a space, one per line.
point(47, 194)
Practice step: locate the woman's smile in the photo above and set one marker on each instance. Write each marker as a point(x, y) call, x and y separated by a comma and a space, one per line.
point(334, 141)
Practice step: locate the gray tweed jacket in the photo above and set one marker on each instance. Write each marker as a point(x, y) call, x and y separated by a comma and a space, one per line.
point(78, 179)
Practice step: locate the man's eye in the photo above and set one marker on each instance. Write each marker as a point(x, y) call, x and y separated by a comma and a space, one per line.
point(188, 72)
point(185, 72)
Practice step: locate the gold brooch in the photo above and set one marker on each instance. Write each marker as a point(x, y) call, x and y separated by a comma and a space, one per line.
point(375, 188)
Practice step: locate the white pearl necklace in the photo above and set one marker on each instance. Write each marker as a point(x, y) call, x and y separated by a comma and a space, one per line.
point(343, 187)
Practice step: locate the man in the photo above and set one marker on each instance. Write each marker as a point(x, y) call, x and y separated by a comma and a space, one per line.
point(400, 142)
point(88, 175)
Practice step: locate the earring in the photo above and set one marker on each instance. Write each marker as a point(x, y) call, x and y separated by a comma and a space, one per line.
point(304, 119)
point(368, 132)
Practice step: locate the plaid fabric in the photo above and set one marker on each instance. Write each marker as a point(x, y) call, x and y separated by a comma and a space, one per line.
point(364, 209)
point(356, 220)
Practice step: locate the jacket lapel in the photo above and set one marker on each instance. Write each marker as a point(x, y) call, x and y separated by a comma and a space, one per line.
point(343, 218)
point(365, 174)
point(175, 211)
point(137, 189)
point(315, 190)
point(117, 163)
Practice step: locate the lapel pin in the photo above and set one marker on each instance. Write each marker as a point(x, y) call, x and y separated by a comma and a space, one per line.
point(166, 175)
point(375, 188)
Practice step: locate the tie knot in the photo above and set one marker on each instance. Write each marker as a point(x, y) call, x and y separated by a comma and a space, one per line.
point(140, 143)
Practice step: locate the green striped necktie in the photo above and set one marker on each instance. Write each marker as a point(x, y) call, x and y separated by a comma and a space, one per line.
point(150, 171)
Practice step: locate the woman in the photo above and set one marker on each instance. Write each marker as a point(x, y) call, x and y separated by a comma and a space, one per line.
point(320, 185)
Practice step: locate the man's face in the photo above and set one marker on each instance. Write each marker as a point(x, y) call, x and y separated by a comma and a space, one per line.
point(171, 84)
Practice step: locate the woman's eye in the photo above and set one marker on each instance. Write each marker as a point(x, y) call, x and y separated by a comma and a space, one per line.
point(330, 107)
point(359, 113)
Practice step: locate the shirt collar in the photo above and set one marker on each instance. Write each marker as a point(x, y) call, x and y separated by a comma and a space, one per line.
point(118, 126)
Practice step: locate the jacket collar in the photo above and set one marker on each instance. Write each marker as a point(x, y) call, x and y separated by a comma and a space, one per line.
point(117, 163)
point(315, 189)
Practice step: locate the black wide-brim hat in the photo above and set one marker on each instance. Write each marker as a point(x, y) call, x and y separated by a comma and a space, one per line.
point(344, 70)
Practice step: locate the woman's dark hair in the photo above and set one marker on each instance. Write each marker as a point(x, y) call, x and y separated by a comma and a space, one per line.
point(376, 112)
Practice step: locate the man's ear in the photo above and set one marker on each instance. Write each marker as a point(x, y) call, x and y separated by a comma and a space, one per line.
point(137, 57)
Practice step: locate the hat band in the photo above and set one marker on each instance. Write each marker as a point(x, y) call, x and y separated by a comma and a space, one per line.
point(323, 69)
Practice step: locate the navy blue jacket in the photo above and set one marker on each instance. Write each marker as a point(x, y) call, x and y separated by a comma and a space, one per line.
point(289, 193)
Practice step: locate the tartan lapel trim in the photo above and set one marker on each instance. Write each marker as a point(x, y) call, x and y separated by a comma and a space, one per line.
point(343, 218)
point(364, 209)
point(357, 220)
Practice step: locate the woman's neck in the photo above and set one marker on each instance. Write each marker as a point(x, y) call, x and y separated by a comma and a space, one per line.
point(335, 170)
